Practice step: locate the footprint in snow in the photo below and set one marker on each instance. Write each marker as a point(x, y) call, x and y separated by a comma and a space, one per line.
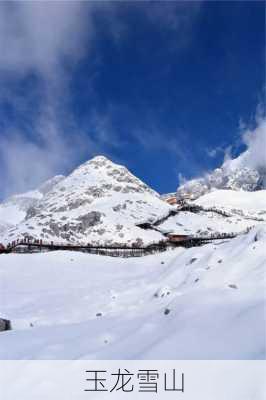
point(162, 292)
point(113, 295)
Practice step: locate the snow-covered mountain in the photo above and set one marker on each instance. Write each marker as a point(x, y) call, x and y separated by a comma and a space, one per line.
point(99, 202)
point(236, 174)
point(14, 209)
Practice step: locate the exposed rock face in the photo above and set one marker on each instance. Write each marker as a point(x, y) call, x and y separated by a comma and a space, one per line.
point(99, 202)
point(243, 179)
point(88, 220)
point(192, 189)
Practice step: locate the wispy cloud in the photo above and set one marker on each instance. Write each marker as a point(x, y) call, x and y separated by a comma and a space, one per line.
point(255, 140)
point(36, 36)
point(44, 41)
point(40, 40)
point(176, 16)
point(26, 162)
point(252, 135)
point(212, 153)
point(224, 151)
point(254, 154)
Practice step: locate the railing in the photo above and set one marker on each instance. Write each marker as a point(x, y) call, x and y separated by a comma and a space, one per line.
point(27, 246)
point(33, 246)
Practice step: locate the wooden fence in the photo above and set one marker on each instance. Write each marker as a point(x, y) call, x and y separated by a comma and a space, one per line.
point(35, 246)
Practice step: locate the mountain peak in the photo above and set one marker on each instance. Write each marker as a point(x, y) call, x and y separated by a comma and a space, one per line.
point(95, 163)
point(100, 202)
point(100, 158)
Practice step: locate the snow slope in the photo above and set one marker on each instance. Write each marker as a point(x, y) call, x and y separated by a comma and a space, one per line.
point(243, 210)
point(206, 223)
point(14, 209)
point(201, 303)
point(250, 202)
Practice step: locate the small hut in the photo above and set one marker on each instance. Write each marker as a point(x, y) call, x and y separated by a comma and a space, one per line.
point(175, 238)
point(171, 200)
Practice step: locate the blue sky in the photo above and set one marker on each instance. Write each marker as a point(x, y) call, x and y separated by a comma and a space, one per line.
point(165, 88)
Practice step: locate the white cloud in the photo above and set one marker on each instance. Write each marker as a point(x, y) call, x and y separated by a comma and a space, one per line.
point(181, 179)
point(255, 140)
point(254, 156)
point(46, 39)
point(177, 16)
point(214, 152)
point(25, 163)
point(37, 35)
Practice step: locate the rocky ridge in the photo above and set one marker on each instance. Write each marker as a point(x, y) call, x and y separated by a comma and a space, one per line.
point(234, 174)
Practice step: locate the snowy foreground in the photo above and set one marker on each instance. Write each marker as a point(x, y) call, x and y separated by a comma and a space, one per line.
point(200, 303)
